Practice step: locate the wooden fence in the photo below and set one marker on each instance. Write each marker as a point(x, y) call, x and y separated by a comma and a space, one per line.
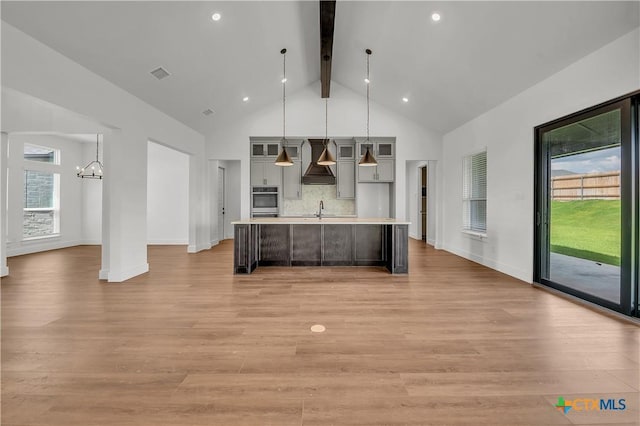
point(591, 186)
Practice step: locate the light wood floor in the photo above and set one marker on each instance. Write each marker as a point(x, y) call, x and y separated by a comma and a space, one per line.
point(191, 344)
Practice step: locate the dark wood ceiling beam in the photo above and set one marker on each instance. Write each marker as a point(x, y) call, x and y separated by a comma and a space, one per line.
point(327, 20)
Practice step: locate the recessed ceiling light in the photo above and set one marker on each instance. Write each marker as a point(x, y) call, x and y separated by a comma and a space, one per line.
point(284, 80)
point(405, 100)
point(366, 80)
point(216, 16)
point(435, 17)
point(245, 99)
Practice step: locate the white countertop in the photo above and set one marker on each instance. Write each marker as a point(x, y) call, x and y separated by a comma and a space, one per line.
point(327, 220)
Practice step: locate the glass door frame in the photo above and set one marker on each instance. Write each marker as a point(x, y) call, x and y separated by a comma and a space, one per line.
point(628, 106)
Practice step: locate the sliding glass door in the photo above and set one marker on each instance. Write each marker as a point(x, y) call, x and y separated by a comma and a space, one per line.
point(586, 206)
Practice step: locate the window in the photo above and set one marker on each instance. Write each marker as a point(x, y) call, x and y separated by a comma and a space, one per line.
point(40, 214)
point(41, 154)
point(474, 193)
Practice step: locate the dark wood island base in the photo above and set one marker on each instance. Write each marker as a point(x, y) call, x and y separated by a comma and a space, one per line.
point(321, 242)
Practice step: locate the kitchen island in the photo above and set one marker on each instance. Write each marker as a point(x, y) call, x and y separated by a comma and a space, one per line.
point(329, 241)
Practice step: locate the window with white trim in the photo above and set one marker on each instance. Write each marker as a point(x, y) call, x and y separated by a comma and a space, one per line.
point(41, 216)
point(474, 193)
point(41, 154)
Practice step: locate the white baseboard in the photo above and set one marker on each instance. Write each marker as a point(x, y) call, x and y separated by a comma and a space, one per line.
point(167, 242)
point(414, 236)
point(91, 242)
point(4, 271)
point(192, 248)
point(123, 275)
point(491, 263)
point(103, 274)
point(35, 246)
point(431, 241)
point(215, 243)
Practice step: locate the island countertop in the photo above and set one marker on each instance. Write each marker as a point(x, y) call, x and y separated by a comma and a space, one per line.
point(333, 220)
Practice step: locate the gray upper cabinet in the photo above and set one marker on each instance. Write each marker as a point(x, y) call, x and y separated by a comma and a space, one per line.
point(346, 152)
point(345, 169)
point(378, 149)
point(346, 179)
point(292, 175)
point(384, 153)
point(292, 180)
point(263, 168)
point(265, 149)
point(384, 170)
point(265, 172)
point(293, 151)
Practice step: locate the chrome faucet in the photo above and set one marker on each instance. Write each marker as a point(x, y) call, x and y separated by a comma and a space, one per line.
point(320, 208)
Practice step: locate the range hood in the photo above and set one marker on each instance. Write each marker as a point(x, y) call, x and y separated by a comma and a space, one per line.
point(316, 174)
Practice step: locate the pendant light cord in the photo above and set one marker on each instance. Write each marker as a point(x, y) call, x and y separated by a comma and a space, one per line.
point(284, 93)
point(368, 84)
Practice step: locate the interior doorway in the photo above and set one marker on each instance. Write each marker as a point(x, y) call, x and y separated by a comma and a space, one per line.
point(423, 202)
point(221, 200)
point(225, 180)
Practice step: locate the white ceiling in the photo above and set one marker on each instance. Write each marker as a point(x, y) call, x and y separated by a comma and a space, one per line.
point(477, 56)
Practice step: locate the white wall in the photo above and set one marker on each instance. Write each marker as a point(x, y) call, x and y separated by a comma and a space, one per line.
point(305, 118)
point(71, 192)
point(4, 146)
point(133, 122)
point(167, 195)
point(91, 199)
point(507, 133)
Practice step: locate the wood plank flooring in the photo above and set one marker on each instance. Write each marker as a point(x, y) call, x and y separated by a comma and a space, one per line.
point(189, 343)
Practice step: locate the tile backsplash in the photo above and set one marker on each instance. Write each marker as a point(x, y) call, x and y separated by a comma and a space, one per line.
point(311, 196)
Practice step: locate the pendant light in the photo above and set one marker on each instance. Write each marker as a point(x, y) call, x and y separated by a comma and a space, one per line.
point(284, 159)
point(326, 159)
point(368, 159)
point(93, 170)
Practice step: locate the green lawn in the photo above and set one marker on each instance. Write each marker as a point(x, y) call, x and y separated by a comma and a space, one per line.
point(588, 229)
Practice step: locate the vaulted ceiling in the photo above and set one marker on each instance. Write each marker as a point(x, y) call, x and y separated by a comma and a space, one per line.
point(476, 57)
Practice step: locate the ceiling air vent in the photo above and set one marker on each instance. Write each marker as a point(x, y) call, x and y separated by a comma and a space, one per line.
point(160, 73)
point(207, 111)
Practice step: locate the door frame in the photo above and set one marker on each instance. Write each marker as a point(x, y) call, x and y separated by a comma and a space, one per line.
point(628, 197)
point(221, 186)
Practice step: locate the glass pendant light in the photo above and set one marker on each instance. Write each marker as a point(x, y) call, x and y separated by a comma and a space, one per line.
point(93, 170)
point(326, 159)
point(368, 158)
point(284, 159)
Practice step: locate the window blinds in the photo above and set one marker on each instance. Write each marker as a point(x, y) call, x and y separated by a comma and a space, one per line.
point(474, 192)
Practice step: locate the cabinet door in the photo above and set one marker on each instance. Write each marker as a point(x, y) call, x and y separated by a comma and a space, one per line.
point(291, 181)
point(346, 179)
point(293, 151)
point(257, 173)
point(366, 174)
point(272, 173)
point(273, 149)
point(257, 149)
point(363, 149)
point(385, 171)
point(384, 149)
point(346, 152)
